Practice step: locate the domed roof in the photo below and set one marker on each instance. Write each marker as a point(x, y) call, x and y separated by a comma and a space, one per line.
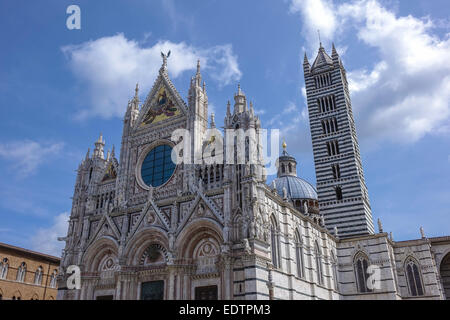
point(296, 188)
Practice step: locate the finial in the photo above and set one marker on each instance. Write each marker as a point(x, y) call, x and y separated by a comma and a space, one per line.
point(422, 233)
point(320, 40)
point(165, 57)
point(213, 122)
point(136, 91)
point(198, 66)
point(284, 145)
point(87, 153)
point(380, 226)
point(100, 139)
point(113, 151)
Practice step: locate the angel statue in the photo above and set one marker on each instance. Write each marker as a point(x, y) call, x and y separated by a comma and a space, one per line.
point(165, 57)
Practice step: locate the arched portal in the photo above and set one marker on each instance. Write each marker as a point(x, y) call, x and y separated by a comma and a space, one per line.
point(445, 275)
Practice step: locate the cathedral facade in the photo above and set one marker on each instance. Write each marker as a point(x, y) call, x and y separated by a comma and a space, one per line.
point(146, 226)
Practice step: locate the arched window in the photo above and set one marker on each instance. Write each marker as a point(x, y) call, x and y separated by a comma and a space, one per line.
point(53, 279)
point(290, 168)
point(283, 168)
point(413, 277)
point(4, 268)
point(361, 263)
point(339, 195)
point(299, 255)
point(335, 273)
point(319, 270)
point(38, 276)
point(275, 243)
point(21, 272)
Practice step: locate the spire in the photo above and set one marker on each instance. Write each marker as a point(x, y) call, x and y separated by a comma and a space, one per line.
point(136, 91)
point(99, 145)
point(228, 108)
point(252, 110)
point(135, 102)
point(322, 59)
point(87, 154)
point(213, 122)
point(240, 101)
point(198, 67)
point(305, 59)
point(113, 151)
point(380, 226)
point(335, 55)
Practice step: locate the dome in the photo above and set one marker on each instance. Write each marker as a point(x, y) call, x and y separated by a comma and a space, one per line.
point(296, 188)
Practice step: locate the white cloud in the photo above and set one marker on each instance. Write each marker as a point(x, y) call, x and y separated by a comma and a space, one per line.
point(28, 155)
point(45, 240)
point(111, 66)
point(406, 94)
point(316, 15)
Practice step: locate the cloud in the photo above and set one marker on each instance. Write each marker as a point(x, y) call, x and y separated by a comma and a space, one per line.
point(317, 15)
point(111, 66)
point(45, 240)
point(28, 155)
point(406, 94)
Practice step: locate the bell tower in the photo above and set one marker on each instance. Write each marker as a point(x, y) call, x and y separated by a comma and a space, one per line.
point(343, 197)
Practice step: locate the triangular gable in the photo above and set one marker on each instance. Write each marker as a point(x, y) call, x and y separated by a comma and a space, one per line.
point(208, 204)
point(163, 103)
point(110, 172)
point(101, 230)
point(150, 209)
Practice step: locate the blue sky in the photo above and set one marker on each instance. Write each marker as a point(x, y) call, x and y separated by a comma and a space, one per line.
point(60, 88)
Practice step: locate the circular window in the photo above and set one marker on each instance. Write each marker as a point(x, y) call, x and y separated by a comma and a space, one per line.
point(157, 167)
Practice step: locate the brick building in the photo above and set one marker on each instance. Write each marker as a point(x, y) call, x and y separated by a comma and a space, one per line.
point(26, 274)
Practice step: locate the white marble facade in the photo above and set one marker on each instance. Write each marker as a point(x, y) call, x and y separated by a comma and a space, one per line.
point(219, 231)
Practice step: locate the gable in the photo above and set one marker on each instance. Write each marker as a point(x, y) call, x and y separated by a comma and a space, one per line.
point(162, 107)
point(163, 103)
point(110, 172)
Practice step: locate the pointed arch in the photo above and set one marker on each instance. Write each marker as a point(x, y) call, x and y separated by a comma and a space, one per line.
point(299, 257)
point(360, 265)
point(413, 277)
point(444, 272)
point(4, 265)
point(53, 278)
point(141, 241)
point(38, 276)
point(334, 267)
point(319, 267)
point(275, 242)
point(21, 272)
point(97, 251)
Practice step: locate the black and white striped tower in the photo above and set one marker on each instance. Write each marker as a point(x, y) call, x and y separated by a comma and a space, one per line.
point(342, 191)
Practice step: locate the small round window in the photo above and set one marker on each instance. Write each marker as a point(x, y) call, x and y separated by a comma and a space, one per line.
point(157, 167)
